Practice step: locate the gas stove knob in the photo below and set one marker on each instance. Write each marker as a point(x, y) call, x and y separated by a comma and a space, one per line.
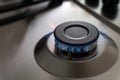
point(92, 3)
point(78, 39)
point(110, 4)
point(110, 8)
point(55, 3)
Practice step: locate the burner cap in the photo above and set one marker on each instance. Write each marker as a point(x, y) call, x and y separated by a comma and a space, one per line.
point(76, 33)
point(76, 37)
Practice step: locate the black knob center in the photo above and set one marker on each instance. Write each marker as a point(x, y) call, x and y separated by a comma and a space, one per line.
point(76, 32)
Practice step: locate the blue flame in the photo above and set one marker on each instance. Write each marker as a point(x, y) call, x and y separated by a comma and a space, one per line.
point(72, 49)
point(63, 47)
point(78, 49)
point(85, 48)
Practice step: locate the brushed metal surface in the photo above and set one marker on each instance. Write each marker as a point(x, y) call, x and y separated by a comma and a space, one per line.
point(17, 42)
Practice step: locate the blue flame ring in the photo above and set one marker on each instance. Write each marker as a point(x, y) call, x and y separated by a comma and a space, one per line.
point(74, 49)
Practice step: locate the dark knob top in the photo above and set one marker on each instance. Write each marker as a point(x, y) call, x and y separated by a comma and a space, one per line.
point(110, 3)
point(92, 3)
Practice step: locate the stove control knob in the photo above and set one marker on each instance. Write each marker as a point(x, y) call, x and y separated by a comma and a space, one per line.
point(76, 39)
point(110, 4)
point(55, 3)
point(92, 3)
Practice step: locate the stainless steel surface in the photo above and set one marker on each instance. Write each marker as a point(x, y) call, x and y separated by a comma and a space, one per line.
point(18, 40)
point(97, 11)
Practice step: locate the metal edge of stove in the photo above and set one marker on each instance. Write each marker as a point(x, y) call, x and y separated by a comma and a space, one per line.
point(111, 24)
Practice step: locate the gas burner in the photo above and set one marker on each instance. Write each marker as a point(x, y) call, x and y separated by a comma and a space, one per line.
point(76, 39)
point(76, 50)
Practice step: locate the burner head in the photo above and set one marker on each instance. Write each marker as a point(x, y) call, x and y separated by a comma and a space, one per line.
point(77, 38)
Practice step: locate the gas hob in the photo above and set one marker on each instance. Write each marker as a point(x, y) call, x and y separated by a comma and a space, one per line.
point(18, 41)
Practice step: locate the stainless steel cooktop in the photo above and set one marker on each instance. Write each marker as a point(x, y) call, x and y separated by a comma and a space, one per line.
point(18, 41)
